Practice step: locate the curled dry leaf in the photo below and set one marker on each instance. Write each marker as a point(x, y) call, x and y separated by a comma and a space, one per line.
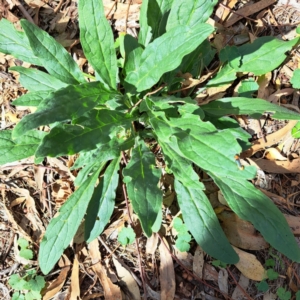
point(278, 167)
point(250, 266)
point(128, 280)
point(111, 291)
point(274, 154)
point(272, 139)
point(198, 262)
point(74, 290)
point(223, 281)
point(238, 293)
point(53, 287)
point(241, 233)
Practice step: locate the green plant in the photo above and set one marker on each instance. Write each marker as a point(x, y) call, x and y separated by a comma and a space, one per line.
point(126, 236)
point(123, 110)
point(28, 287)
point(25, 252)
point(183, 236)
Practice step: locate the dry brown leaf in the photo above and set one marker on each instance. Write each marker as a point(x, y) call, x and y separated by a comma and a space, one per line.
point(210, 273)
point(294, 223)
point(198, 262)
point(274, 154)
point(250, 266)
point(37, 3)
point(238, 293)
point(167, 273)
point(241, 233)
point(291, 273)
point(248, 10)
point(278, 167)
point(272, 139)
point(56, 285)
point(111, 291)
point(128, 280)
point(74, 289)
point(275, 97)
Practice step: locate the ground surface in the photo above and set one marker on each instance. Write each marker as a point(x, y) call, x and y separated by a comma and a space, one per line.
point(31, 195)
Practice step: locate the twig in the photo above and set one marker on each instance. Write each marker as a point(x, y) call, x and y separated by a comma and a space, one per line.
point(189, 272)
point(244, 292)
point(24, 11)
point(57, 8)
point(119, 260)
point(127, 14)
point(115, 3)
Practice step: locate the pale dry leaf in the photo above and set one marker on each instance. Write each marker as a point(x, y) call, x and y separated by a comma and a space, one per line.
point(198, 262)
point(249, 266)
point(274, 154)
point(269, 296)
point(37, 3)
point(223, 281)
point(238, 294)
point(74, 290)
point(263, 82)
point(294, 223)
point(111, 291)
point(275, 97)
point(128, 280)
point(210, 273)
point(39, 173)
point(167, 273)
point(151, 244)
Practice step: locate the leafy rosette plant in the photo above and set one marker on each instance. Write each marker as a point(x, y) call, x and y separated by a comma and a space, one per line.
point(129, 102)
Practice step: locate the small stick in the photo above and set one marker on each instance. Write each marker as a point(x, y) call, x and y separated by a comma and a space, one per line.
point(127, 14)
point(57, 8)
point(24, 11)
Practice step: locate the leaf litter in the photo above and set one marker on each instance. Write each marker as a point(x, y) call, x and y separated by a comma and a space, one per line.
point(31, 197)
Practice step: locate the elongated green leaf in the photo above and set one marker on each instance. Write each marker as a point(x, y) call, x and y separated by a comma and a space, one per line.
point(54, 58)
point(63, 227)
point(248, 88)
point(34, 80)
point(15, 43)
point(173, 46)
point(25, 146)
point(97, 41)
point(133, 52)
point(153, 18)
point(202, 222)
point(252, 205)
point(263, 55)
point(190, 12)
point(96, 128)
point(141, 180)
point(246, 106)
point(225, 76)
point(102, 203)
point(65, 104)
point(32, 99)
point(295, 80)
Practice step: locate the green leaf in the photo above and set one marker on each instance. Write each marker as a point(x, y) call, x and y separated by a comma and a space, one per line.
point(283, 294)
point(17, 296)
point(68, 103)
point(153, 18)
point(141, 178)
point(173, 46)
point(54, 58)
point(32, 99)
point(133, 53)
point(26, 253)
point(63, 227)
point(126, 236)
point(202, 222)
point(272, 275)
point(22, 147)
point(270, 262)
point(190, 12)
point(36, 284)
point(15, 43)
point(262, 286)
point(34, 80)
point(102, 203)
point(296, 131)
point(298, 293)
point(225, 76)
point(245, 106)
point(97, 41)
point(263, 55)
point(16, 282)
point(252, 205)
point(248, 88)
point(295, 80)
point(94, 129)
point(182, 242)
